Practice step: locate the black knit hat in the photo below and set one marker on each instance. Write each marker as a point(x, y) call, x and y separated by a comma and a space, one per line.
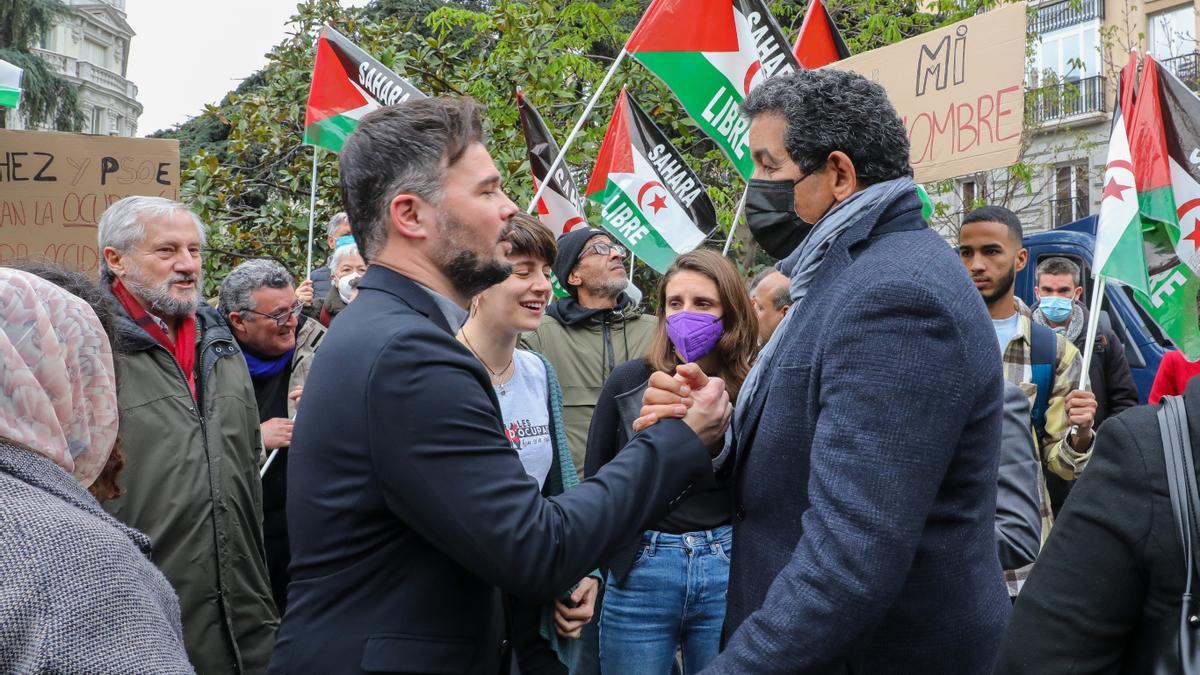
point(570, 245)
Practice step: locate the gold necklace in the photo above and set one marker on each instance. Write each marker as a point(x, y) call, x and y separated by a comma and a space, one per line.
point(495, 375)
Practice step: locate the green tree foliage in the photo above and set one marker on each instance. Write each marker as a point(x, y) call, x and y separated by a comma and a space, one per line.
point(252, 186)
point(47, 99)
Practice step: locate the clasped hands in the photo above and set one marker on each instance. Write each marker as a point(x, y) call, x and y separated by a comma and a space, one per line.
point(699, 400)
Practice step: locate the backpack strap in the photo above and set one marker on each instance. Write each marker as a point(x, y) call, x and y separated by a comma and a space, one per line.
point(1185, 507)
point(1043, 352)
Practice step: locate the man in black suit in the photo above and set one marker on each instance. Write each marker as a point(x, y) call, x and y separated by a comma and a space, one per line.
point(409, 511)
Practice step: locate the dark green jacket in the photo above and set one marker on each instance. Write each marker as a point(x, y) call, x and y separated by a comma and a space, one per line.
point(191, 484)
point(584, 345)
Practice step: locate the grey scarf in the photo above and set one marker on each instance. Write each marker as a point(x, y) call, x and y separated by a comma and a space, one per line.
point(1075, 324)
point(802, 265)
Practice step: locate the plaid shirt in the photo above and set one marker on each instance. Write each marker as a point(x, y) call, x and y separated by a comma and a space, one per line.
point(1056, 452)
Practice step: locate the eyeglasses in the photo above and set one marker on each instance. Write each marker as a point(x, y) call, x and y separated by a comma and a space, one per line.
point(602, 248)
point(281, 318)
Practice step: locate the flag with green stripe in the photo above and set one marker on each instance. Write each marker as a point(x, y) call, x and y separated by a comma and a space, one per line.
point(649, 198)
point(711, 53)
point(10, 85)
point(1163, 140)
point(1119, 251)
point(347, 84)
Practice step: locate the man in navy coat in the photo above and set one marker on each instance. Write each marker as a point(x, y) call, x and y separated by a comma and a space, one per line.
point(409, 511)
point(865, 441)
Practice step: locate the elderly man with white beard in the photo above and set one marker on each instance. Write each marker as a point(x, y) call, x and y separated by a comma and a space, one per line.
point(190, 433)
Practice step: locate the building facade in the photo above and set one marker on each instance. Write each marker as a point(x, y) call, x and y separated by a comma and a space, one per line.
point(1071, 89)
point(90, 48)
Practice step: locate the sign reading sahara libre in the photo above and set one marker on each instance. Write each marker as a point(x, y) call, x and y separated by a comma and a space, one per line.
point(55, 186)
point(960, 91)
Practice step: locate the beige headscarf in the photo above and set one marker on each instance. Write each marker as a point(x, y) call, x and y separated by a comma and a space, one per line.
point(58, 392)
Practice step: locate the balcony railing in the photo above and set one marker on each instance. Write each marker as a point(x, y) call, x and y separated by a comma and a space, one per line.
point(1066, 13)
point(1185, 68)
point(1066, 99)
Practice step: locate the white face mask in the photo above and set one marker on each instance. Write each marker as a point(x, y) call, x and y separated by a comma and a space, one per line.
point(344, 288)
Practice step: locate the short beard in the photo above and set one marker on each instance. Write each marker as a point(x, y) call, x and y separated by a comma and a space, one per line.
point(466, 272)
point(608, 288)
point(158, 299)
point(1005, 285)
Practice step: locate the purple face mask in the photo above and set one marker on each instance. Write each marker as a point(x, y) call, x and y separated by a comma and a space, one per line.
point(694, 334)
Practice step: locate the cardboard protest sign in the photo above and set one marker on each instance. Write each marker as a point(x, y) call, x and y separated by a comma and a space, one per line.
point(54, 188)
point(960, 91)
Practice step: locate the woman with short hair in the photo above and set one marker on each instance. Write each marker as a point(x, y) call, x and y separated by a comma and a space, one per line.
point(531, 409)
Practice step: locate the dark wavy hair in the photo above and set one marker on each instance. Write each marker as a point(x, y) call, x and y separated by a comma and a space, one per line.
point(738, 345)
point(829, 110)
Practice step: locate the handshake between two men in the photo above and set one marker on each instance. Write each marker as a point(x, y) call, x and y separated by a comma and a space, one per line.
point(702, 402)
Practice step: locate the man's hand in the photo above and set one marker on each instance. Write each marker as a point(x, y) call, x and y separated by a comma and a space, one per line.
point(699, 400)
point(1081, 412)
point(294, 396)
point(569, 621)
point(667, 396)
point(304, 293)
point(277, 433)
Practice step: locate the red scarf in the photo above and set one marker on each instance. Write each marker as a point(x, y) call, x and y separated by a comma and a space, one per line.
point(183, 349)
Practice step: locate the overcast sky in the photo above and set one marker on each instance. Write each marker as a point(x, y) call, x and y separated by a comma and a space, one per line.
point(186, 54)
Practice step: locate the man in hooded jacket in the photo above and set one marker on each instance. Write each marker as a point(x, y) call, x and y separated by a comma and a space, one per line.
point(588, 333)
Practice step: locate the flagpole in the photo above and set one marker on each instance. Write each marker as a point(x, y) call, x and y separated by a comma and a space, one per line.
point(737, 215)
point(632, 262)
point(578, 125)
point(1092, 327)
point(312, 212)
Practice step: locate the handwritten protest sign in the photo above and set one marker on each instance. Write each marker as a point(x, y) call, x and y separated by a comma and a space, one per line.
point(54, 188)
point(960, 90)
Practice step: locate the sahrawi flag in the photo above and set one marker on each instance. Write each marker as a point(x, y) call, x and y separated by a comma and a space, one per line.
point(1119, 254)
point(560, 207)
point(10, 85)
point(819, 42)
point(1164, 139)
point(347, 84)
point(711, 53)
point(650, 200)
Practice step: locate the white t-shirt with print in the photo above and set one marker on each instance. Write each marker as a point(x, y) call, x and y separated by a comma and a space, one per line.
point(524, 407)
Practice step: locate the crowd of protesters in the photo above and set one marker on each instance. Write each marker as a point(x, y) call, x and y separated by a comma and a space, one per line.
point(419, 460)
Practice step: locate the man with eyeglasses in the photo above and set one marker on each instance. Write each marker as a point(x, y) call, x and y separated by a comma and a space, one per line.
point(278, 343)
point(190, 433)
point(588, 333)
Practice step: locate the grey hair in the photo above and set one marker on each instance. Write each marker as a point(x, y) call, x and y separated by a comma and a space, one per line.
point(1057, 265)
point(403, 149)
point(341, 252)
point(782, 296)
point(828, 110)
point(238, 289)
point(123, 224)
point(337, 219)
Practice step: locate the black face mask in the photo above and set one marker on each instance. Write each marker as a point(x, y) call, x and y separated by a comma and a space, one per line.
point(772, 218)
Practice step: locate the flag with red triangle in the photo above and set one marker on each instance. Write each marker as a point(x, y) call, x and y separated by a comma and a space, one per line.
point(711, 53)
point(347, 84)
point(560, 207)
point(819, 42)
point(1119, 253)
point(1164, 148)
point(649, 198)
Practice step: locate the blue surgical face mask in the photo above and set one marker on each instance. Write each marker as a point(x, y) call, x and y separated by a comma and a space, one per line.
point(1056, 309)
point(342, 241)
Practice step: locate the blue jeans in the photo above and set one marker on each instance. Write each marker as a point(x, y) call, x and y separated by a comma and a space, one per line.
point(672, 600)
